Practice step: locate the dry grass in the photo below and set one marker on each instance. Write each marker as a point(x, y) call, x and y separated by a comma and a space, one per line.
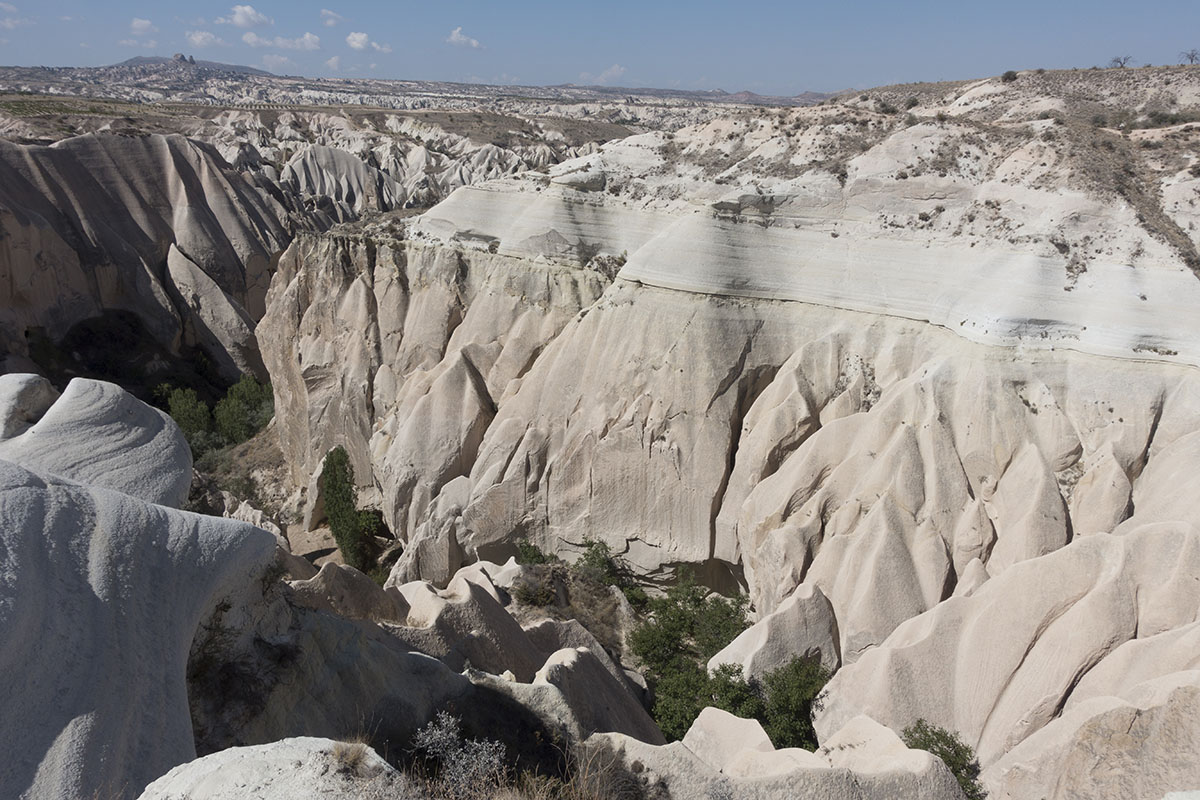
point(349, 756)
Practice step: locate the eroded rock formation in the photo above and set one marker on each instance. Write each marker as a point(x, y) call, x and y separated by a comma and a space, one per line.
point(933, 372)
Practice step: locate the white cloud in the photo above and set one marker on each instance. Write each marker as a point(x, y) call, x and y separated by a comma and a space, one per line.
point(273, 61)
point(610, 74)
point(245, 17)
point(334, 63)
point(204, 39)
point(12, 23)
point(129, 43)
point(8, 8)
point(85, 45)
point(331, 18)
point(360, 41)
point(459, 39)
point(308, 41)
point(141, 27)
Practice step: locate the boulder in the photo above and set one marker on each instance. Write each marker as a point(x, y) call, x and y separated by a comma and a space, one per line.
point(346, 591)
point(101, 595)
point(802, 627)
point(301, 768)
point(867, 762)
point(717, 736)
point(598, 701)
point(98, 434)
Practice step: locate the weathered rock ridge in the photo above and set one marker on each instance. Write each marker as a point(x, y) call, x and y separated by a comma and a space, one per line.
point(158, 226)
point(889, 375)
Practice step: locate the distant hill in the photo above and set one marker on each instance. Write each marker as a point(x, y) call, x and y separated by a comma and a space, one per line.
point(148, 61)
point(703, 95)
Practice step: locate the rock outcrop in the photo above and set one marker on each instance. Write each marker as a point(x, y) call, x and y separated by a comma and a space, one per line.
point(802, 627)
point(1032, 644)
point(156, 226)
point(302, 767)
point(1142, 744)
point(96, 434)
point(938, 371)
point(723, 756)
point(100, 596)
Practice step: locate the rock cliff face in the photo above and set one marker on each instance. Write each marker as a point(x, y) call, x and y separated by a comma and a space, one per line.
point(157, 226)
point(916, 365)
point(102, 590)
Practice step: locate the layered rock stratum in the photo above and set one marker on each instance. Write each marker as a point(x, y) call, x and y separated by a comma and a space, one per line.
point(891, 362)
point(914, 369)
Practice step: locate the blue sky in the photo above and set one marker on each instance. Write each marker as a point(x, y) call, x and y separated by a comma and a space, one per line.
point(767, 46)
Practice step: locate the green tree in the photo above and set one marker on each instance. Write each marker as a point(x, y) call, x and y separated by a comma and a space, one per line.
point(530, 554)
point(680, 693)
point(686, 628)
point(345, 522)
point(193, 418)
point(791, 691)
point(953, 751)
point(245, 410)
point(728, 690)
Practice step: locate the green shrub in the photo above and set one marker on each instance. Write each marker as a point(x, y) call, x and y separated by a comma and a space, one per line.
point(953, 751)
point(728, 690)
point(680, 693)
point(245, 410)
point(598, 563)
point(791, 693)
point(345, 521)
point(1009, 77)
point(689, 626)
point(686, 628)
point(189, 412)
point(530, 554)
point(371, 524)
point(911, 103)
point(687, 623)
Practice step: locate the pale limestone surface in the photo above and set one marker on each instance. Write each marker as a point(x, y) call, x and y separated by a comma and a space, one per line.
point(101, 594)
point(1001, 664)
point(927, 376)
point(343, 177)
point(716, 737)
point(600, 701)
point(301, 768)
point(24, 398)
point(723, 756)
point(211, 318)
point(802, 627)
point(349, 593)
point(97, 434)
point(104, 212)
point(1141, 744)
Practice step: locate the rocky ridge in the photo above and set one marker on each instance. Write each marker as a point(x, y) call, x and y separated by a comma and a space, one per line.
point(914, 370)
point(895, 362)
